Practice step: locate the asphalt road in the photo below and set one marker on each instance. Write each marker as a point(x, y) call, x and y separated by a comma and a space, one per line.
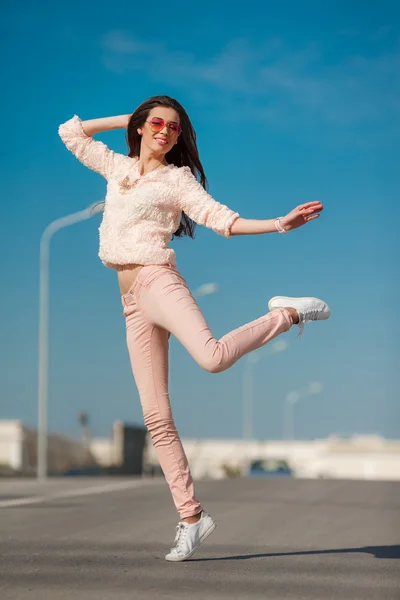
point(276, 539)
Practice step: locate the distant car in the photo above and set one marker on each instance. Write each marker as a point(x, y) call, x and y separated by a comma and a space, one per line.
point(270, 467)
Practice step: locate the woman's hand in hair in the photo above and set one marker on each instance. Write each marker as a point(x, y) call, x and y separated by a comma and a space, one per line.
point(105, 124)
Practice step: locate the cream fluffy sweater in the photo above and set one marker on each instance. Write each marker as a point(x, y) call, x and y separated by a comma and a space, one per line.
point(142, 212)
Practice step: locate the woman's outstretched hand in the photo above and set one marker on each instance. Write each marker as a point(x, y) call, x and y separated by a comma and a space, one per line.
point(302, 214)
point(296, 218)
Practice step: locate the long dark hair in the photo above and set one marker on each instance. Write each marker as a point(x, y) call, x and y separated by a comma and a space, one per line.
point(184, 153)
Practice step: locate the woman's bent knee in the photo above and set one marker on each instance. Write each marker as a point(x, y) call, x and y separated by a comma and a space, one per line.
point(211, 364)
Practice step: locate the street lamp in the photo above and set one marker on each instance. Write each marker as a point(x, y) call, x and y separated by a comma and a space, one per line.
point(48, 233)
point(248, 385)
point(291, 399)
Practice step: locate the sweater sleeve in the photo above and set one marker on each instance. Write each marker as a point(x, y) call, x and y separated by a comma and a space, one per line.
point(201, 207)
point(93, 154)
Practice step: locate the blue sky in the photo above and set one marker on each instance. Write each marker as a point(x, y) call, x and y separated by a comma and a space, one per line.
point(290, 103)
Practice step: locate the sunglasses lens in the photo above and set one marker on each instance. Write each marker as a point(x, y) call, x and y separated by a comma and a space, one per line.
point(157, 124)
point(175, 127)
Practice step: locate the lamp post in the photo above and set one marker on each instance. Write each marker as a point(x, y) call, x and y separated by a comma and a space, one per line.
point(250, 361)
point(291, 399)
point(248, 386)
point(48, 233)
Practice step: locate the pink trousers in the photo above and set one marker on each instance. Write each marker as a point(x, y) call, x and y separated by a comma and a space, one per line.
point(160, 303)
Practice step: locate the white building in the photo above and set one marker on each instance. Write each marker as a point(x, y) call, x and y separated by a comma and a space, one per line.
point(357, 457)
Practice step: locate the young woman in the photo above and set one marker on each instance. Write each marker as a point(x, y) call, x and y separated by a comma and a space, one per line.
point(152, 195)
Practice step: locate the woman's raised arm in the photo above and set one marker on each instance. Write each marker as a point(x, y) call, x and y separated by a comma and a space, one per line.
point(94, 126)
point(77, 136)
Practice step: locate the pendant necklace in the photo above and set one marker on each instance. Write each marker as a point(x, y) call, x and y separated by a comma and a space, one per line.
point(126, 186)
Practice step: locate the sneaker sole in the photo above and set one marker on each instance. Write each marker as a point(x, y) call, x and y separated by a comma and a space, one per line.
point(203, 537)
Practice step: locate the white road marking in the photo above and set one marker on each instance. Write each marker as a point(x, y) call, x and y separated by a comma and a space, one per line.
point(90, 491)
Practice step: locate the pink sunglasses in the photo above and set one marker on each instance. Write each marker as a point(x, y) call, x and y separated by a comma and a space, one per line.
point(156, 124)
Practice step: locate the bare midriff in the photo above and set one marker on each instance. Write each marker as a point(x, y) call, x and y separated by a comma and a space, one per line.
point(126, 276)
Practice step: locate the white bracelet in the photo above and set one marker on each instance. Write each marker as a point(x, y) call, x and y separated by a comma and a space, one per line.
point(278, 226)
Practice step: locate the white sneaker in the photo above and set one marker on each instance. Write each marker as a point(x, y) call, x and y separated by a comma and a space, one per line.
point(309, 309)
point(189, 537)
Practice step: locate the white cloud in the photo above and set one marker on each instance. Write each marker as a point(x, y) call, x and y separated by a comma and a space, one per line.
point(121, 43)
point(207, 289)
point(368, 36)
point(272, 80)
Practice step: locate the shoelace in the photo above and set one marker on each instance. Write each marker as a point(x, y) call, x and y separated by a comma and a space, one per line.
point(180, 536)
point(306, 316)
point(309, 315)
